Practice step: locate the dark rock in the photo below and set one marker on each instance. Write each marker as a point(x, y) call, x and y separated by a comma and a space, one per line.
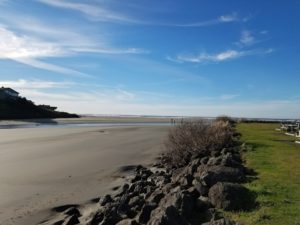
point(95, 200)
point(193, 192)
point(214, 161)
point(200, 187)
point(229, 196)
point(156, 196)
point(146, 212)
point(111, 216)
point(202, 204)
point(73, 212)
point(106, 199)
point(191, 168)
point(186, 181)
point(64, 208)
point(136, 201)
point(204, 160)
point(167, 216)
point(128, 168)
point(185, 204)
point(60, 222)
point(213, 174)
point(228, 160)
point(139, 167)
point(73, 220)
point(215, 153)
point(97, 219)
point(125, 187)
point(136, 178)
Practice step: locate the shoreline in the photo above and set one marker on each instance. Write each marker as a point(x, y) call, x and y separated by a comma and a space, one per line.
point(43, 168)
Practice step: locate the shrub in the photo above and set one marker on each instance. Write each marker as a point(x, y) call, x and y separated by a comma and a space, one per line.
point(196, 139)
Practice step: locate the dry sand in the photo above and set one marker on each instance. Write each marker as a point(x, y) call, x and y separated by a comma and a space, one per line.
point(41, 168)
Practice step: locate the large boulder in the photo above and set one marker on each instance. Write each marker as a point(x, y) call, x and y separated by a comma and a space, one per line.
point(167, 216)
point(210, 175)
point(230, 196)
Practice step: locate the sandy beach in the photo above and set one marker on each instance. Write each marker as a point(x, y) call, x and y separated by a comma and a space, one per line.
point(45, 167)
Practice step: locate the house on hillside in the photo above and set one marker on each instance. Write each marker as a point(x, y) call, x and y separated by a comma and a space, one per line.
point(8, 93)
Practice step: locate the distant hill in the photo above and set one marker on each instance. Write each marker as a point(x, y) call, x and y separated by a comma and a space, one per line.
point(21, 108)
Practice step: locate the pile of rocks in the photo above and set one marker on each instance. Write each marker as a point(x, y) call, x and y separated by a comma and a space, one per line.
point(166, 196)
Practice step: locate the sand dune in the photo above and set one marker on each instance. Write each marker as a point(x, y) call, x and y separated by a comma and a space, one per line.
point(41, 168)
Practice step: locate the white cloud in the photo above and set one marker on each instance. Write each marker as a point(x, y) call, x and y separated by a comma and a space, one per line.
point(99, 12)
point(34, 84)
point(29, 50)
point(230, 18)
point(111, 50)
point(93, 11)
point(247, 38)
point(13, 46)
point(50, 67)
point(219, 57)
point(204, 57)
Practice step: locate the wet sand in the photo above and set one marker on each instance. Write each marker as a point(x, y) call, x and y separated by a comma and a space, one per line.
point(41, 168)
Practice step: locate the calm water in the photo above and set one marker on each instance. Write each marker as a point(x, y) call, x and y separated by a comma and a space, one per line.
point(103, 124)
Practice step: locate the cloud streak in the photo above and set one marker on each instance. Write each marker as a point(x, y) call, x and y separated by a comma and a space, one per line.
point(230, 18)
point(95, 12)
point(99, 12)
point(34, 84)
point(219, 57)
point(29, 50)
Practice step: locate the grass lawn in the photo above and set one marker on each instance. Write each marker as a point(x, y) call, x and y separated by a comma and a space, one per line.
point(276, 159)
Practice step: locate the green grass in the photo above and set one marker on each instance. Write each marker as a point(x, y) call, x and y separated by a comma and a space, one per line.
point(276, 159)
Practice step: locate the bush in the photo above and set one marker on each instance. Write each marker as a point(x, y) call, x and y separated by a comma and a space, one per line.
point(197, 139)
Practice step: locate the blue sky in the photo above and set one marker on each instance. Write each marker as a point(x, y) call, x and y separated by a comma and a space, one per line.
point(171, 57)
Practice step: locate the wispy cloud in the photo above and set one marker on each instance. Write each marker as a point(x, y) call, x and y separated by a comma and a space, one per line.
point(219, 57)
point(27, 50)
point(13, 46)
point(100, 12)
point(38, 42)
point(111, 50)
point(35, 84)
point(221, 19)
point(51, 67)
point(93, 11)
point(247, 38)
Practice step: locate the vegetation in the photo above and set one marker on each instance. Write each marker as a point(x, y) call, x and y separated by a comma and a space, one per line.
point(196, 139)
point(21, 108)
point(276, 160)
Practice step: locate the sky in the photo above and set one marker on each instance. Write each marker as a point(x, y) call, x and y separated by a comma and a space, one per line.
point(160, 57)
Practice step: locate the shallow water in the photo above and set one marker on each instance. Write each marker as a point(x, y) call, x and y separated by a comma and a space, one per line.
point(62, 125)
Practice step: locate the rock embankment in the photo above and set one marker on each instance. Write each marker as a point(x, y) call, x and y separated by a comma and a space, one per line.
point(165, 196)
